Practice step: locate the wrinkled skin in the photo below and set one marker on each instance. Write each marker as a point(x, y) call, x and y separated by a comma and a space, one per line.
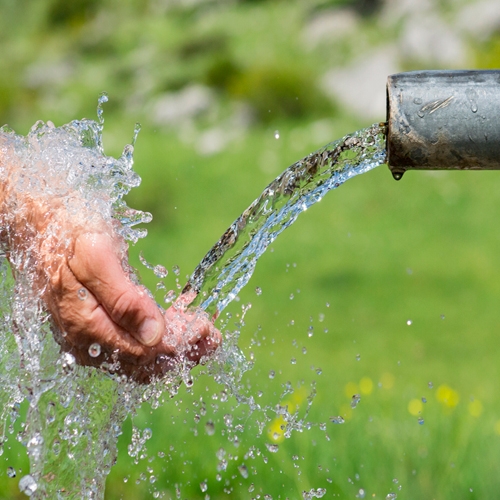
point(80, 269)
point(92, 300)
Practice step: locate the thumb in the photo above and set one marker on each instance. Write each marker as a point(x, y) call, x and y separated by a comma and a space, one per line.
point(96, 263)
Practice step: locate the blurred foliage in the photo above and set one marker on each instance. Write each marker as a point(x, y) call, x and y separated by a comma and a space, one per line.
point(74, 13)
point(280, 93)
point(487, 53)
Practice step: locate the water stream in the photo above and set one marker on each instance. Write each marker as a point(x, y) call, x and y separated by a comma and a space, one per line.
point(75, 414)
point(228, 266)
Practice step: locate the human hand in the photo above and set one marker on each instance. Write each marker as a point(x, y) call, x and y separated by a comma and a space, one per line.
point(102, 316)
point(77, 264)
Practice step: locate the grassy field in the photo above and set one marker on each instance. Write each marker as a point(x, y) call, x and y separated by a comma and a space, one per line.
point(399, 283)
point(388, 290)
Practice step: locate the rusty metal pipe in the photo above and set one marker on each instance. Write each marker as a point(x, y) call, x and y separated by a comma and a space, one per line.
point(440, 120)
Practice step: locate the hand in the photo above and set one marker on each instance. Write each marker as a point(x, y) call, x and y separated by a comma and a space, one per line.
point(78, 264)
point(102, 316)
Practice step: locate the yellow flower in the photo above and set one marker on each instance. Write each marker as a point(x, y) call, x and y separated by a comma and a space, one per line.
point(276, 431)
point(447, 396)
point(365, 385)
point(415, 407)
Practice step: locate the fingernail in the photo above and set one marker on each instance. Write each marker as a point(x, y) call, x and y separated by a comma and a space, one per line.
point(150, 332)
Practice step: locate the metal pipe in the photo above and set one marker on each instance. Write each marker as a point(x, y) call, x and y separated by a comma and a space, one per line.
point(439, 120)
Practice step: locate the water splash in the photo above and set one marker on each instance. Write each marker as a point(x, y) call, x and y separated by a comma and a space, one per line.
point(75, 413)
point(228, 266)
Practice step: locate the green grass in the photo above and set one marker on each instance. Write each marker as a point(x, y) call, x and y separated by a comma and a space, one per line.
point(379, 253)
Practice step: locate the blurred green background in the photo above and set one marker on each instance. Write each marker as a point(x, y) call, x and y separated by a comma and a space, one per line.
point(387, 290)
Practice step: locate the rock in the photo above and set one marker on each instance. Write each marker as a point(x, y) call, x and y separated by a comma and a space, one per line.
point(428, 39)
point(173, 108)
point(329, 26)
point(48, 74)
point(394, 10)
point(479, 19)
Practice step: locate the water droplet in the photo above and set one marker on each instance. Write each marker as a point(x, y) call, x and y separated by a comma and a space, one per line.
point(94, 350)
point(272, 374)
point(337, 420)
point(137, 129)
point(51, 412)
point(258, 290)
point(67, 362)
point(430, 385)
point(424, 400)
point(273, 448)
point(276, 134)
point(228, 419)
point(421, 421)
point(243, 471)
point(417, 100)
point(160, 271)
point(361, 493)
point(314, 493)
point(409, 322)
point(358, 357)
point(355, 400)
point(391, 496)
point(27, 485)
point(11, 472)
point(204, 486)
point(293, 361)
point(292, 296)
point(176, 270)
point(170, 297)
point(56, 447)
point(82, 293)
point(210, 428)
point(442, 316)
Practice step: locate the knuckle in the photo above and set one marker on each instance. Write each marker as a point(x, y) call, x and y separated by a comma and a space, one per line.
point(122, 307)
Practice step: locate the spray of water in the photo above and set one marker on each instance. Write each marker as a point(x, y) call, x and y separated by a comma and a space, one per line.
point(75, 413)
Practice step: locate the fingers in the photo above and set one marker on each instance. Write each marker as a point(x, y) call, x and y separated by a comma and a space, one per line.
point(93, 301)
point(97, 266)
point(82, 322)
